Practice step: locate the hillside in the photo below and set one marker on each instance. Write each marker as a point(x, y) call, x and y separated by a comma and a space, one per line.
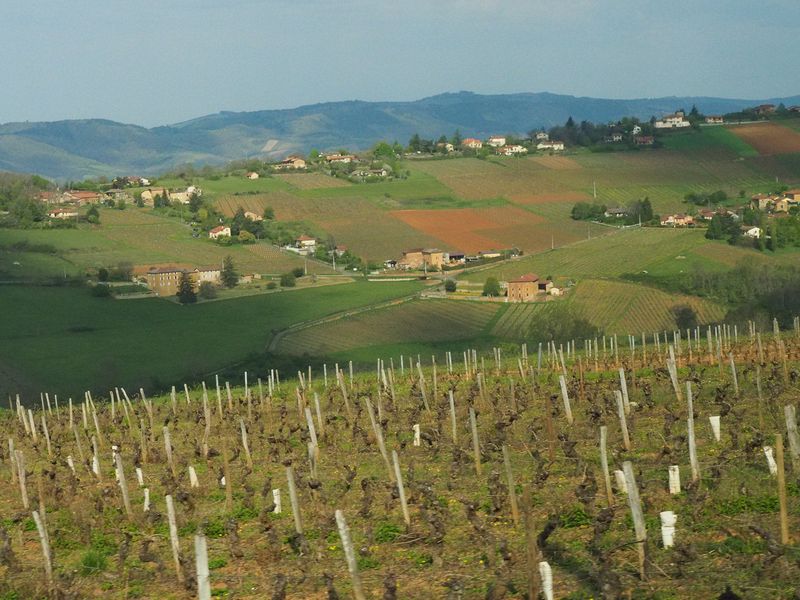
point(83, 148)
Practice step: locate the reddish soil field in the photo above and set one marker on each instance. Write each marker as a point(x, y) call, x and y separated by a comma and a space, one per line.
point(476, 229)
point(769, 138)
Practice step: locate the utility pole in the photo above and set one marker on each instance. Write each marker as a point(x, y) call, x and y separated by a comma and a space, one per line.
point(594, 189)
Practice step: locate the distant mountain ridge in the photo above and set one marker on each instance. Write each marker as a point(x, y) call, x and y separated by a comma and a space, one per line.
point(76, 149)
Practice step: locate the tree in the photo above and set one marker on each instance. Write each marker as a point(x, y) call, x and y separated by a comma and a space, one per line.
point(269, 213)
point(186, 293)
point(245, 237)
point(207, 291)
point(229, 275)
point(102, 274)
point(450, 285)
point(288, 280)
point(685, 317)
point(298, 271)
point(491, 287)
point(93, 215)
point(194, 202)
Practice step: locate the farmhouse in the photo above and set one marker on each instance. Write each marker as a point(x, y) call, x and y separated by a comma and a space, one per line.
point(715, 120)
point(446, 146)
point(251, 175)
point(613, 138)
point(677, 220)
point(674, 121)
point(149, 195)
point(81, 197)
point(644, 140)
point(553, 145)
point(456, 258)
point(294, 162)
point(165, 281)
point(527, 287)
point(418, 258)
point(253, 216)
point(219, 231)
point(496, 141)
point(50, 197)
point(340, 250)
point(765, 109)
point(472, 144)
point(793, 194)
point(542, 136)
point(63, 213)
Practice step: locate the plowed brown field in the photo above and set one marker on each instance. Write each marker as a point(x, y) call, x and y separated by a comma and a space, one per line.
point(769, 138)
point(476, 229)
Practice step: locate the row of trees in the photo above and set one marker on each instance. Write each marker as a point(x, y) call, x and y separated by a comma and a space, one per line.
point(635, 212)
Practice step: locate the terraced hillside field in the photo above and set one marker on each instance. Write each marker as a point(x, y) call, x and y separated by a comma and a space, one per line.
point(415, 321)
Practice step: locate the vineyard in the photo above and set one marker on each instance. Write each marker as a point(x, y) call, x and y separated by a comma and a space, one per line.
point(596, 469)
point(417, 321)
point(612, 306)
point(611, 255)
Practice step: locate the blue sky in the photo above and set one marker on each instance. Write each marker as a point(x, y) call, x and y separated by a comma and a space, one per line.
point(155, 62)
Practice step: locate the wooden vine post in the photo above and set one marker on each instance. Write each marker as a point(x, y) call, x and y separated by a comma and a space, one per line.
point(173, 537)
point(638, 516)
point(512, 492)
point(782, 489)
point(350, 555)
point(476, 446)
point(604, 464)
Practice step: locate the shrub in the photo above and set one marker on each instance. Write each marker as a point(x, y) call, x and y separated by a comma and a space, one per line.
point(450, 285)
point(207, 291)
point(93, 562)
point(298, 271)
point(100, 290)
point(272, 285)
point(386, 532)
point(288, 280)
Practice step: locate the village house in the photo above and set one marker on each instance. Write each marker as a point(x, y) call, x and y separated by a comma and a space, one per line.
point(456, 258)
point(248, 214)
point(63, 213)
point(751, 231)
point(793, 194)
point(219, 231)
point(294, 162)
point(496, 141)
point(512, 150)
point(339, 158)
point(706, 214)
point(613, 138)
point(50, 197)
point(251, 175)
point(390, 264)
point(340, 250)
point(715, 120)
point(616, 213)
point(446, 146)
point(305, 243)
point(149, 195)
point(644, 140)
point(472, 144)
point(165, 281)
point(765, 109)
point(674, 121)
point(526, 288)
point(542, 136)
point(552, 145)
point(677, 220)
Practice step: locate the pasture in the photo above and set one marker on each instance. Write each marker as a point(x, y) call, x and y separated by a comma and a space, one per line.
point(61, 338)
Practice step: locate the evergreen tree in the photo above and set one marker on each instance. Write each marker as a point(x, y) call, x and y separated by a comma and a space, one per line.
point(186, 293)
point(229, 275)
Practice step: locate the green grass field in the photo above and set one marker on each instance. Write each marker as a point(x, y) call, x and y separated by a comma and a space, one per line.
point(62, 339)
point(140, 237)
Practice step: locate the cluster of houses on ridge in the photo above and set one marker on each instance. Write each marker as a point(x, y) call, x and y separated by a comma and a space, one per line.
point(774, 205)
point(501, 145)
point(423, 259)
point(78, 198)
